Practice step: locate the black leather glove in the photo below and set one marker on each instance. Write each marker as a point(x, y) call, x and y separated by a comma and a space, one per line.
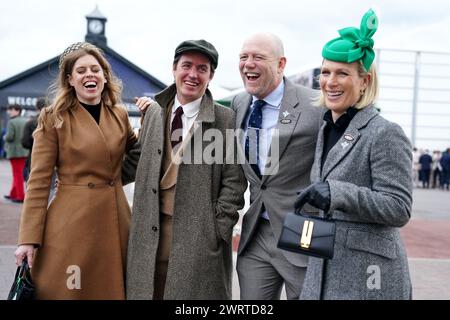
point(318, 195)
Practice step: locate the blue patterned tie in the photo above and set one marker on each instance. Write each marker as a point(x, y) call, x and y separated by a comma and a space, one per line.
point(252, 139)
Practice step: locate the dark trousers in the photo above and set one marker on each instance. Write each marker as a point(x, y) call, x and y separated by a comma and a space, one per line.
point(17, 190)
point(445, 178)
point(436, 178)
point(425, 178)
point(162, 255)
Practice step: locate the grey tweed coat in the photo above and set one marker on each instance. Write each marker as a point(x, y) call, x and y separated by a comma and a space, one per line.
point(369, 173)
point(207, 200)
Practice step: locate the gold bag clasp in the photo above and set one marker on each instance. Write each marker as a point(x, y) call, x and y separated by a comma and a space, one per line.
point(305, 240)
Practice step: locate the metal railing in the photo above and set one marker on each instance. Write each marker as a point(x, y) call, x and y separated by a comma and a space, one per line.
point(422, 95)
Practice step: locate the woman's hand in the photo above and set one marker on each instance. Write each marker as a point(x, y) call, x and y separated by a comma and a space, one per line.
point(318, 195)
point(143, 103)
point(25, 250)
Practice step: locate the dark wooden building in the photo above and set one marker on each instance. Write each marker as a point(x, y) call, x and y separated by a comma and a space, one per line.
point(25, 87)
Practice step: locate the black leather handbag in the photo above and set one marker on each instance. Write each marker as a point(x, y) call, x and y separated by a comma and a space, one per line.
point(23, 288)
point(311, 236)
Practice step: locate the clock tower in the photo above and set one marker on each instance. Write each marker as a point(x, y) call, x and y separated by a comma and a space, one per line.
point(96, 28)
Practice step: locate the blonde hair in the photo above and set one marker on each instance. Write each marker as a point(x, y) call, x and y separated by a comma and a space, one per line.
point(65, 95)
point(369, 96)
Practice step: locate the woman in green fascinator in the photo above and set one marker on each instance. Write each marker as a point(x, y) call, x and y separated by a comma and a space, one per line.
point(361, 178)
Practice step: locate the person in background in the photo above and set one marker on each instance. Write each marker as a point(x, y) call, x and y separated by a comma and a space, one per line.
point(27, 137)
point(425, 161)
point(445, 163)
point(436, 169)
point(15, 152)
point(361, 178)
point(416, 167)
point(77, 243)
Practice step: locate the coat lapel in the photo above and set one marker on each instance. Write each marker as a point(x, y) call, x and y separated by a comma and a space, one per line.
point(347, 141)
point(165, 100)
point(339, 150)
point(316, 170)
point(287, 120)
point(288, 111)
point(107, 129)
point(96, 132)
point(240, 125)
point(242, 112)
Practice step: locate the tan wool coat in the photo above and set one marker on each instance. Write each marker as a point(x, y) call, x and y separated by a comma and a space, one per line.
point(82, 235)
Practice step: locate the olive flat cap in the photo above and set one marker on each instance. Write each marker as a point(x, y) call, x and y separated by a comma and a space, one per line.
point(201, 46)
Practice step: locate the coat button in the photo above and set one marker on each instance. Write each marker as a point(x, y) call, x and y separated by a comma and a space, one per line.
point(154, 228)
point(159, 151)
point(263, 187)
point(91, 185)
point(154, 190)
point(111, 183)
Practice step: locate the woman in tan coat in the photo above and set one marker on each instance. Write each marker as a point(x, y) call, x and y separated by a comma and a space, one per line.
point(77, 244)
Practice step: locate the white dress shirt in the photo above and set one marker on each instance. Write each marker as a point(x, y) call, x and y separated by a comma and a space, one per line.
point(190, 112)
point(270, 113)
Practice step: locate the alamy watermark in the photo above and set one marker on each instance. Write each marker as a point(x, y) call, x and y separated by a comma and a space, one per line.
point(214, 146)
point(374, 279)
point(74, 280)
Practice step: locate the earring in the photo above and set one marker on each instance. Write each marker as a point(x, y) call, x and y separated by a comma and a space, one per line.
point(361, 92)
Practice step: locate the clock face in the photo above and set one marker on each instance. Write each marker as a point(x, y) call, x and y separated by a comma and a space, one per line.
point(95, 26)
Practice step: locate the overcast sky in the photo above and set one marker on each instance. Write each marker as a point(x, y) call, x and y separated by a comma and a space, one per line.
point(147, 32)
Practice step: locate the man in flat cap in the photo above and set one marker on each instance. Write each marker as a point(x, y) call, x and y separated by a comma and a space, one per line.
point(185, 205)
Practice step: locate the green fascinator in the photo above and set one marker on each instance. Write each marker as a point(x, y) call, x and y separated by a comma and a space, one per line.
point(354, 44)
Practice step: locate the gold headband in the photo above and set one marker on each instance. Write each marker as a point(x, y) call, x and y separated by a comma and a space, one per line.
point(74, 47)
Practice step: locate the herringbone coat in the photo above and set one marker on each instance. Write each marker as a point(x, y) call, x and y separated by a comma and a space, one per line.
point(370, 178)
point(207, 200)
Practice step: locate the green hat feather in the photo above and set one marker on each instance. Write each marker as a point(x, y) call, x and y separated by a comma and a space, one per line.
point(354, 44)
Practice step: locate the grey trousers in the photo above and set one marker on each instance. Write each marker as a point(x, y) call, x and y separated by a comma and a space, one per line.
point(262, 269)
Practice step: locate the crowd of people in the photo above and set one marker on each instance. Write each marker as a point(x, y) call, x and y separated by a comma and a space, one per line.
point(431, 170)
point(329, 152)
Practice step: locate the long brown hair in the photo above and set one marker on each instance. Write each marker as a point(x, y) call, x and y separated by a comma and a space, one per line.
point(64, 93)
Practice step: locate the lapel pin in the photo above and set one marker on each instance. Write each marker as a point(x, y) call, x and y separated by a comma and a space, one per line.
point(284, 120)
point(348, 137)
point(344, 144)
